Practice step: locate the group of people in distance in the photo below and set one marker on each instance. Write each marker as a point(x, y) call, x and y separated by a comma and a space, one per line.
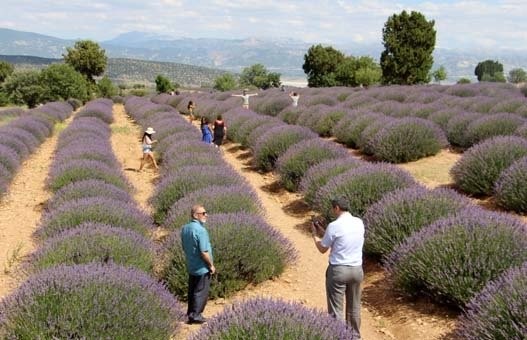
point(344, 238)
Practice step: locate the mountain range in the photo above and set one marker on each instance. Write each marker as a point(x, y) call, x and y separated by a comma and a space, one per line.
point(283, 55)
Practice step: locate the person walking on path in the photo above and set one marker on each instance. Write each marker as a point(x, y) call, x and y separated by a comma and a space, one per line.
point(294, 97)
point(147, 142)
point(220, 130)
point(200, 265)
point(206, 132)
point(190, 108)
point(245, 96)
point(345, 237)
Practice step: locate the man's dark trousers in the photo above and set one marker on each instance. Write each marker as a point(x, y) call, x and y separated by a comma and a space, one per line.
point(198, 294)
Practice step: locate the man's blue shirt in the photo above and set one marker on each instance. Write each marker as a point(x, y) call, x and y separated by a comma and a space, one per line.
point(195, 240)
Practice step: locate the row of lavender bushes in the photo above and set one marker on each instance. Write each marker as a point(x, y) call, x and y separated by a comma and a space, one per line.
point(407, 225)
point(91, 276)
point(246, 248)
point(394, 124)
point(21, 136)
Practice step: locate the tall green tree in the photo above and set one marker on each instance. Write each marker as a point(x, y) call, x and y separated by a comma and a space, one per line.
point(24, 87)
point(225, 82)
point(358, 71)
point(6, 69)
point(320, 66)
point(489, 70)
point(106, 88)
point(88, 58)
point(61, 82)
point(517, 75)
point(439, 74)
point(257, 75)
point(409, 41)
point(163, 84)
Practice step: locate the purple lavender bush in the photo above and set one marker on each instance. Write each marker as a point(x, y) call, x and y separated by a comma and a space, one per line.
point(248, 126)
point(400, 213)
point(290, 115)
point(218, 199)
point(99, 151)
point(272, 144)
point(408, 139)
point(350, 127)
point(30, 141)
point(175, 161)
point(327, 119)
point(36, 127)
point(95, 242)
point(498, 311)
point(511, 187)
point(182, 181)
point(522, 131)
point(318, 175)
point(100, 108)
point(273, 105)
point(362, 186)
point(479, 168)
point(455, 257)
point(9, 159)
point(292, 165)
point(366, 141)
point(245, 249)
point(456, 129)
point(14, 143)
point(500, 124)
point(93, 209)
point(90, 301)
point(442, 117)
point(253, 136)
point(263, 318)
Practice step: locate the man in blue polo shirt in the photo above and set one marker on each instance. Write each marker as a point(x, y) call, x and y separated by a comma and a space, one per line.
point(200, 265)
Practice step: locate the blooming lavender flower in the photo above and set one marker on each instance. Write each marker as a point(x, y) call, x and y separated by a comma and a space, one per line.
point(34, 126)
point(97, 109)
point(96, 302)
point(262, 318)
point(9, 158)
point(522, 131)
point(457, 127)
point(455, 257)
point(499, 124)
point(511, 187)
point(350, 127)
point(366, 141)
point(16, 144)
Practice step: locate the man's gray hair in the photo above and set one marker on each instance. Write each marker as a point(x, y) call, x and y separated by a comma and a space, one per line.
point(195, 208)
point(341, 202)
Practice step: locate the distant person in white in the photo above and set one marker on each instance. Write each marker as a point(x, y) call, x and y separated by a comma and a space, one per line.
point(245, 96)
point(345, 237)
point(295, 97)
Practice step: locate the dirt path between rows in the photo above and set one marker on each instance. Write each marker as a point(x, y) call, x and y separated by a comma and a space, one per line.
point(21, 209)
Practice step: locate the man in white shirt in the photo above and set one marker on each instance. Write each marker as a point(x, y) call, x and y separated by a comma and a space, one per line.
point(245, 96)
point(345, 238)
point(294, 97)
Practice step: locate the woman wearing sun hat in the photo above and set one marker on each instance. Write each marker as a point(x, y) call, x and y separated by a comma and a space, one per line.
point(147, 147)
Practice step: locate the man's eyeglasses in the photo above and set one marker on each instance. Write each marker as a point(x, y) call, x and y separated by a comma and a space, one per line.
point(201, 213)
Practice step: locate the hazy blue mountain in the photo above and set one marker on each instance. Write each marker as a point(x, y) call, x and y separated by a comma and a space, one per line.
point(283, 55)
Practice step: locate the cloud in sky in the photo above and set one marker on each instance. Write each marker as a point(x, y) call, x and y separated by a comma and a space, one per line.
point(464, 23)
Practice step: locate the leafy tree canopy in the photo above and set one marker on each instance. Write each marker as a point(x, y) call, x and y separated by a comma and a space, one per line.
point(106, 88)
point(163, 84)
point(225, 82)
point(358, 71)
point(88, 58)
point(24, 87)
point(6, 69)
point(258, 76)
point(61, 82)
point(409, 41)
point(517, 75)
point(320, 66)
point(439, 74)
point(489, 70)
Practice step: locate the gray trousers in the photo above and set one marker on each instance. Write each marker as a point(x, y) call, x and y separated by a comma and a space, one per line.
point(340, 281)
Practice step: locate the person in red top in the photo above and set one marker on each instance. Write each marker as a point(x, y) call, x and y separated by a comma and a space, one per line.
point(220, 130)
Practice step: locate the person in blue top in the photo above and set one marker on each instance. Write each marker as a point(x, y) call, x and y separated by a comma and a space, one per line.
point(206, 131)
point(200, 265)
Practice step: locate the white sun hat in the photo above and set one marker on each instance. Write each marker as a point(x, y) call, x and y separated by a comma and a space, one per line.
point(150, 131)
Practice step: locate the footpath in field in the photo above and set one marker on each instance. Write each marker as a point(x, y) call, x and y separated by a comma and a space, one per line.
point(21, 208)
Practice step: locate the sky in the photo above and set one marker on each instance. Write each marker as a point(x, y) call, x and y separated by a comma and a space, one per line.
point(459, 24)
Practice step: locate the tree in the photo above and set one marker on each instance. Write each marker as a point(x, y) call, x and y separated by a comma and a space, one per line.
point(61, 82)
point(258, 76)
point(489, 70)
point(6, 69)
point(463, 81)
point(23, 87)
point(320, 65)
point(358, 71)
point(87, 58)
point(517, 75)
point(225, 82)
point(409, 41)
point(106, 88)
point(163, 84)
point(439, 74)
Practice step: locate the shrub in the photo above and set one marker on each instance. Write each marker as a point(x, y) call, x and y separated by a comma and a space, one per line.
point(455, 257)
point(101, 108)
point(275, 142)
point(318, 175)
point(30, 141)
point(15, 144)
point(442, 117)
point(479, 168)
point(292, 165)
point(290, 114)
point(349, 128)
point(93, 209)
point(38, 128)
point(408, 139)
point(87, 188)
point(9, 158)
point(217, 199)
point(327, 120)
point(511, 187)
point(188, 179)
point(400, 213)
point(168, 150)
point(245, 249)
point(504, 124)
point(273, 319)
point(90, 301)
point(178, 160)
point(498, 311)
point(63, 174)
point(522, 131)
point(362, 187)
point(252, 138)
point(457, 127)
point(94, 242)
point(249, 126)
point(367, 136)
point(272, 106)
point(97, 150)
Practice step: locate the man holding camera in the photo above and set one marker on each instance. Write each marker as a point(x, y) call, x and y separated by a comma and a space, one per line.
point(345, 237)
